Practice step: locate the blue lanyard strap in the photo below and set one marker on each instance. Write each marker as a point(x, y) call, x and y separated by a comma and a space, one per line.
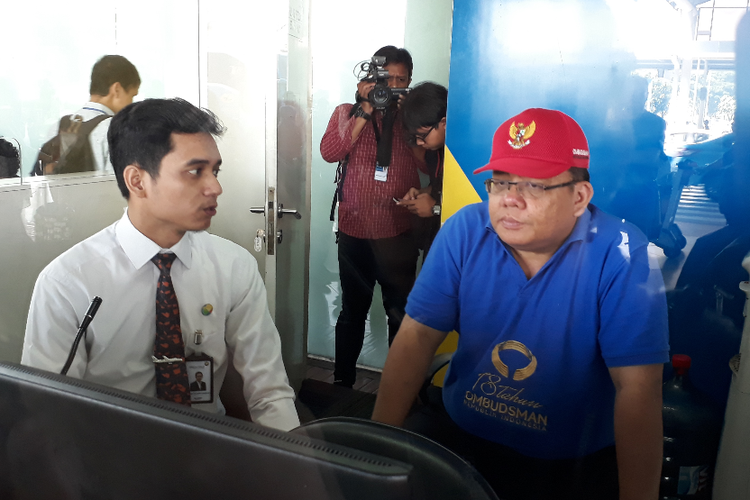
point(98, 110)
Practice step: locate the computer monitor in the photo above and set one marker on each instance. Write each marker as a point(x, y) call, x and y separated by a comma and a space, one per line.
point(65, 438)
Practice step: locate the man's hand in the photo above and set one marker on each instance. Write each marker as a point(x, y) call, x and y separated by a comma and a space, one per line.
point(363, 89)
point(420, 205)
point(639, 437)
point(49, 168)
point(399, 99)
point(411, 194)
point(405, 369)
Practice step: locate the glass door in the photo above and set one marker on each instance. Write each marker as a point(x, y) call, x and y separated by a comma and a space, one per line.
point(255, 69)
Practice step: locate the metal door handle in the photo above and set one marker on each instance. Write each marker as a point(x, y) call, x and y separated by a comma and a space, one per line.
point(291, 211)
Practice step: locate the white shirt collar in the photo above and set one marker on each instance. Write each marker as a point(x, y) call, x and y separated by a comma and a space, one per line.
point(100, 107)
point(140, 249)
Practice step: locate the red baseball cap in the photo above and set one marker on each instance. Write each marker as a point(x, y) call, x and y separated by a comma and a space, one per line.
point(538, 143)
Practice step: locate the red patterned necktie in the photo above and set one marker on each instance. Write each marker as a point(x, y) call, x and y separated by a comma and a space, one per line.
point(171, 377)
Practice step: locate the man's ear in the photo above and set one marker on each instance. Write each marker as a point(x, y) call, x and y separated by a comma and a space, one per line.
point(584, 191)
point(135, 179)
point(115, 89)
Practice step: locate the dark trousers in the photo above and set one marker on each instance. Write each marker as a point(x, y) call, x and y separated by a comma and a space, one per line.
point(424, 230)
point(514, 476)
point(392, 262)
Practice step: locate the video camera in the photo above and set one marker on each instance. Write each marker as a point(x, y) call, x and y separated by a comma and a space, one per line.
point(381, 95)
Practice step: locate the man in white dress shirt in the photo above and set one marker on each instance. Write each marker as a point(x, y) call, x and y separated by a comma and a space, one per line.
point(166, 163)
point(114, 83)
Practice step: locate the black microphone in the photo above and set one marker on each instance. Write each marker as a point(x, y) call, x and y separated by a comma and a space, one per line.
point(90, 313)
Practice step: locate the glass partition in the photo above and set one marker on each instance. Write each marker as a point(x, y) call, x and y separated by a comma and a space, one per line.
point(52, 48)
point(49, 73)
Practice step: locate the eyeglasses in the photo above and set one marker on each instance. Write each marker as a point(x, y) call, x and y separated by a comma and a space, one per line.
point(423, 137)
point(534, 189)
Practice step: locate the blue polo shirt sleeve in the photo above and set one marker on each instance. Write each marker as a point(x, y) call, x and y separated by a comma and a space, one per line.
point(633, 307)
point(433, 300)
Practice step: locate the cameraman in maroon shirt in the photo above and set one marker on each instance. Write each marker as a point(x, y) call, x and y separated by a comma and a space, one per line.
point(374, 240)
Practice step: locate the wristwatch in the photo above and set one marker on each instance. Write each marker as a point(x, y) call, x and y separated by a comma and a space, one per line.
point(436, 209)
point(360, 113)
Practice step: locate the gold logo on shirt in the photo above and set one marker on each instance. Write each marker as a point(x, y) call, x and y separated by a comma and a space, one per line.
point(514, 345)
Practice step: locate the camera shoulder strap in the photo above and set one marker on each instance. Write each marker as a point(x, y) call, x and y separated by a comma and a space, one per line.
point(338, 194)
point(385, 142)
point(375, 128)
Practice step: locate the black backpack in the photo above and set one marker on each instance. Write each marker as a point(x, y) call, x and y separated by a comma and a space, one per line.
point(69, 151)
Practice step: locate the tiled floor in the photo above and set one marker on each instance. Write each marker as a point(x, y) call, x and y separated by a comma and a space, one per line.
point(319, 398)
point(322, 370)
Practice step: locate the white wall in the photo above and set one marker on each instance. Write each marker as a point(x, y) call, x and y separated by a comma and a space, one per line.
point(428, 38)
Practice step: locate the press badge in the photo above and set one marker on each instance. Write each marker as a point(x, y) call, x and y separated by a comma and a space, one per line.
point(200, 370)
point(381, 173)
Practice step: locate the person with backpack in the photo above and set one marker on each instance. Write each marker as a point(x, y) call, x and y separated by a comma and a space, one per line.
point(81, 141)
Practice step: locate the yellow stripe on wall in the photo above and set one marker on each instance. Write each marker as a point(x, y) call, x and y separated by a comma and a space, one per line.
point(457, 190)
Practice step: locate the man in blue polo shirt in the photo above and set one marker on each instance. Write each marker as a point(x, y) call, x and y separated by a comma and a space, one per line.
point(554, 390)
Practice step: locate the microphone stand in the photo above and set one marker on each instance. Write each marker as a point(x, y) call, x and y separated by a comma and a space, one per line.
point(90, 313)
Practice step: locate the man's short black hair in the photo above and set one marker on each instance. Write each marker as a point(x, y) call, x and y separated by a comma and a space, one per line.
point(424, 106)
point(10, 159)
point(393, 54)
point(141, 133)
point(112, 69)
point(580, 174)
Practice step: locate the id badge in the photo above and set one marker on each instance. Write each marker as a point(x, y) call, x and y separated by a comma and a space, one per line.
point(381, 173)
point(200, 370)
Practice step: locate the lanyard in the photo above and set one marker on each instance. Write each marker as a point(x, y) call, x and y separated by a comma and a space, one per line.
point(439, 163)
point(97, 110)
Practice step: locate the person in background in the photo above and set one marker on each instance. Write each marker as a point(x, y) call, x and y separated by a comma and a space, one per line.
point(114, 83)
point(172, 294)
point(554, 390)
point(10, 160)
point(374, 240)
point(423, 115)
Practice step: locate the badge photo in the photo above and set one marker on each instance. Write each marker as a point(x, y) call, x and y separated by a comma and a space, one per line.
point(200, 378)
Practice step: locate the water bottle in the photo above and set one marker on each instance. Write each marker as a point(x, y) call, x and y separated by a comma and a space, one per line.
point(692, 429)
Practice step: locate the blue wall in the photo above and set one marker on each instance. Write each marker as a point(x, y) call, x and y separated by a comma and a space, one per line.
point(582, 58)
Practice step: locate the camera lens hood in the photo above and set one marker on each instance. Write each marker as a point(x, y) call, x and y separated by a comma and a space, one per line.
point(380, 96)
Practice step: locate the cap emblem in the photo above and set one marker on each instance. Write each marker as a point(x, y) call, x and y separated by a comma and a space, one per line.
point(520, 134)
